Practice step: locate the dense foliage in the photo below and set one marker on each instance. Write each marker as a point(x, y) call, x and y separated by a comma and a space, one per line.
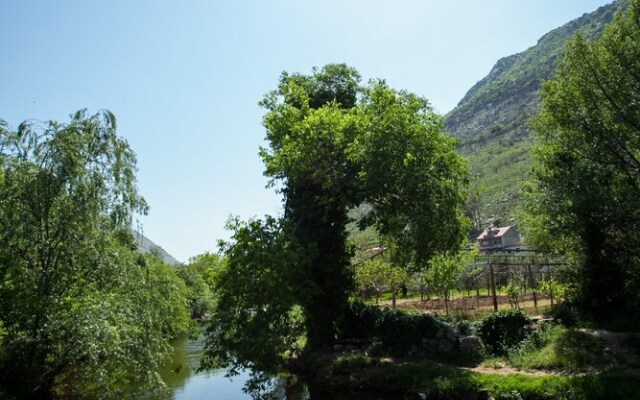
point(256, 321)
point(375, 277)
point(199, 275)
point(391, 330)
point(503, 330)
point(585, 199)
point(80, 311)
point(332, 146)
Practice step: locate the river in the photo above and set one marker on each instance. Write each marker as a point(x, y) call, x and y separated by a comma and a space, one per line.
point(184, 382)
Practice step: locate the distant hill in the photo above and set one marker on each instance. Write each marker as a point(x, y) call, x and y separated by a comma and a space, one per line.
point(491, 120)
point(145, 245)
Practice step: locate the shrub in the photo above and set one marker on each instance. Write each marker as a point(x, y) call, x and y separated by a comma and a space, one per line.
point(389, 329)
point(537, 350)
point(567, 313)
point(466, 327)
point(350, 362)
point(503, 330)
point(359, 322)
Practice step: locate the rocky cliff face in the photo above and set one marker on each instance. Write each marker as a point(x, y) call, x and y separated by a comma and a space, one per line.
point(491, 120)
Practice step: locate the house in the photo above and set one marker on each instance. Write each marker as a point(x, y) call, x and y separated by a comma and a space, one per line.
point(500, 239)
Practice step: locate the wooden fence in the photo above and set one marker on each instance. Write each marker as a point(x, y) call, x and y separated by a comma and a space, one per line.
point(528, 268)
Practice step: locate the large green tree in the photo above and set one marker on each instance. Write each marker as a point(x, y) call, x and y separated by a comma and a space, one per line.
point(333, 145)
point(80, 310)
point(585, 199)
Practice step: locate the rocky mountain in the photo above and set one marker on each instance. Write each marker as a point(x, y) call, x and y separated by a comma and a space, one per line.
point(491, 120)
point(145, 245)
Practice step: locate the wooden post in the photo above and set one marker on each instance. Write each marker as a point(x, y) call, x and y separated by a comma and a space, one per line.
point(493, 287)
point(489, 283)
point(532, 283)
point(550, 285)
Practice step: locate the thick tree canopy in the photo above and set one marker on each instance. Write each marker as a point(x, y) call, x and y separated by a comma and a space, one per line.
point(585, 200)
point(332, 146)
point(77, 312)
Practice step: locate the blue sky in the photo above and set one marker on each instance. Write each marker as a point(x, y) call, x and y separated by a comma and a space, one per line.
point(184, 78)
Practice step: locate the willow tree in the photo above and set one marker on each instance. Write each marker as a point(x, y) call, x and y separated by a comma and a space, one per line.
point(585, 198)
point(334, 144)
point(76, 310)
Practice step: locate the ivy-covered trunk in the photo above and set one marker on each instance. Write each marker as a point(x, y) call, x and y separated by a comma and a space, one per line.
point(319, 222)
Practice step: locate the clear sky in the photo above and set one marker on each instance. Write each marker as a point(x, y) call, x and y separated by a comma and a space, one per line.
point(184, 78)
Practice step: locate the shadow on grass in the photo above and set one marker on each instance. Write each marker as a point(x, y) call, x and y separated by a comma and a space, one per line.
point(387, 378)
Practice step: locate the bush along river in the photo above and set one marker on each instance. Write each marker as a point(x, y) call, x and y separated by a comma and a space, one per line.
point(185, 382)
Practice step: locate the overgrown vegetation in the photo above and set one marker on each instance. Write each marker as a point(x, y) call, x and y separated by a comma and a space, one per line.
point(555, 347)
point(415, 379)
point(503, 330)
point(81, 312)
point(199, 275)
point(386, 330)
point(333, 145)
point(584, 199)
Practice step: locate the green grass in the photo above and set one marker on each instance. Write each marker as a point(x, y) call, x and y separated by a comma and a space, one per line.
point(556, 347)
point(444, 382)
point(607, 386)
point(455, 294)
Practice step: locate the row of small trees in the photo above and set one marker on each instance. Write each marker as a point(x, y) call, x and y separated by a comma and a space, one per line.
point(377, 276)
point(447, 273)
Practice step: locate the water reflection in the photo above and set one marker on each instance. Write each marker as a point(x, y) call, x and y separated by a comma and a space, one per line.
point(184, 382)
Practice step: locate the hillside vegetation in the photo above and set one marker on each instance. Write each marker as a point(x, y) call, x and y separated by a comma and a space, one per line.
point(491, 120)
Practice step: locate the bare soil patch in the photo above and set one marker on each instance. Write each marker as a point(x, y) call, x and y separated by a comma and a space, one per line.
point(470, 305)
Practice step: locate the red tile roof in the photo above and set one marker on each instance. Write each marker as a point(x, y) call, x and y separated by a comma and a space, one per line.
point(491, 233)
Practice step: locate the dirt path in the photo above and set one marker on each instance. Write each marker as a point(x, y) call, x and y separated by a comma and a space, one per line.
point(618, 350)
point(507, 370)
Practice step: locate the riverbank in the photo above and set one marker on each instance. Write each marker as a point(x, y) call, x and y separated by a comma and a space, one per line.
point(386, 377)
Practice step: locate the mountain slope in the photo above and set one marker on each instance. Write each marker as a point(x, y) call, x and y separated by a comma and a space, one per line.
point(145, 245)
point(491, 120)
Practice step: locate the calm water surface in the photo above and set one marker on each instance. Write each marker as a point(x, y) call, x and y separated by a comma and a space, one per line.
point(185, 383)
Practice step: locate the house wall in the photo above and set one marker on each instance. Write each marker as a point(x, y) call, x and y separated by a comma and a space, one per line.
point(490, 243)
point(510, 238)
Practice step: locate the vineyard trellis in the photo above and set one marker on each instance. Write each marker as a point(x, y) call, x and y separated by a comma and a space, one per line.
point(524, 269)
point(526, 274)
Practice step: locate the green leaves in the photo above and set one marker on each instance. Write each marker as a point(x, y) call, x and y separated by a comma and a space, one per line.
point(332, 146)
point(585, 197)
point(80, 315)
point(445, 272)
point(257, 320)
point(377, 277)
point(412, 176)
